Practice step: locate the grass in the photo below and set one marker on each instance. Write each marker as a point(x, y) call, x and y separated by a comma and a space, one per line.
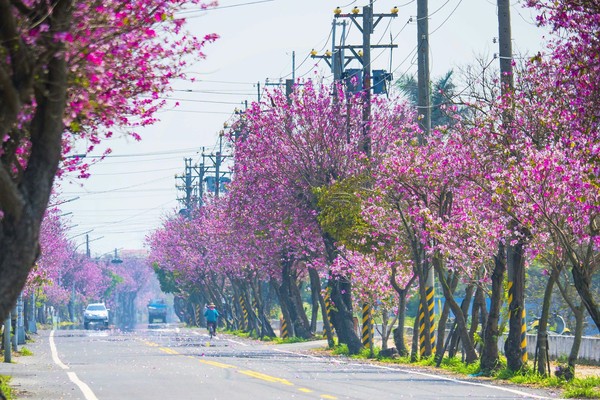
point(4, 381)
point(588, 388)
point(581, 388)
point(24, 351)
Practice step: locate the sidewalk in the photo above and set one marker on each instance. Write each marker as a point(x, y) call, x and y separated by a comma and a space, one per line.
point(36, 376)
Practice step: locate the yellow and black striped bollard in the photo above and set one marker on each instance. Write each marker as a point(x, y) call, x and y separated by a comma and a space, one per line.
point(367, 325)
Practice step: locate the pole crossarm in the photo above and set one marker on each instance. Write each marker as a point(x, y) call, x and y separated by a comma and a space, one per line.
point(377, 17)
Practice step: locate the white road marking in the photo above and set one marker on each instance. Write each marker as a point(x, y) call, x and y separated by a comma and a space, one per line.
point(236, 342)
point(443, 378)
point(85, 389)
point(298, 354)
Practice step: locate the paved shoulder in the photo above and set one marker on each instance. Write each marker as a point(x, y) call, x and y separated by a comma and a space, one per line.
point(37, 376)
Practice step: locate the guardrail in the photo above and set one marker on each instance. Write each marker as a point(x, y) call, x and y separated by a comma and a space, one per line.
point(560, 346)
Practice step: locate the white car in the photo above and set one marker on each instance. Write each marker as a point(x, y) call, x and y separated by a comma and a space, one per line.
point(95, 313)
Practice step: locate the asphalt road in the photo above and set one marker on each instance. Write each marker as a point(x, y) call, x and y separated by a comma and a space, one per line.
point(167, 362)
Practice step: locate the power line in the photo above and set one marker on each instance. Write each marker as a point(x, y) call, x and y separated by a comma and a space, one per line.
point(447, 18)
point(154, 153)
point(204, 10)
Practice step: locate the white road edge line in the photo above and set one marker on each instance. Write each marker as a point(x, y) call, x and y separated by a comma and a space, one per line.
point(297, 354)
point(85, 389)
point(443, 378)
point(236, 342)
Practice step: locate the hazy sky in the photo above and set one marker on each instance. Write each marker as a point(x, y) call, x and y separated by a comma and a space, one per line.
point(131, 191)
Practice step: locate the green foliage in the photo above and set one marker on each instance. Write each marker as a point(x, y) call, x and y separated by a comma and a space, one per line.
point(115, 280)
point(340, 212)
point(24, 351)
point(454, 364)
point(588, 388)
point(166, 279)
point(585, 388)
point(4, 381)
point(238, 333)
point(341, 350)
point(366, 353)
point(442, 90)
point(279, 340)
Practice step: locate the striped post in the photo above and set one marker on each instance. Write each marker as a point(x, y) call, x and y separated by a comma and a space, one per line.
point(284, 329)
point(327, 298)
point(422, 333)
point(197, 314)
point(511, 299)
point(244, 312)
point(524, 356)
point(367, 326)
point(421, 314)
point(430, 305)
point(255, 306)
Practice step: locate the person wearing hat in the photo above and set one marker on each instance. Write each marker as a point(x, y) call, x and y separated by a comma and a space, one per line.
point(211, 315)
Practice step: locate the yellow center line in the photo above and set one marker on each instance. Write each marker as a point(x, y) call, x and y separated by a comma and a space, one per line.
point(217, 364)
point(247, 372)
point(266, 377)
point(167, 350)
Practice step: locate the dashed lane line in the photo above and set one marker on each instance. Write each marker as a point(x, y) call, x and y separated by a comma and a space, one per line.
point(247, 372)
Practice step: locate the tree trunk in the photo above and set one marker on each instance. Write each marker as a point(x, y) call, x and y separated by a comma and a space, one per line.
point(572, 360)
point(283, 303)
point(399, 341)
point(301, 323)
point(24, 202)
point(464, 308)
point(515, 258)
point(315, 283)
point(479, 313)
point(582, 283)
point(439, 349)
point(266, 330)
point(341, 297)
point(475, 313)
point(342, 317)
point(542, 333)
point(461, 325)
point(490, 356)
point(398, 333)
point(414, 348)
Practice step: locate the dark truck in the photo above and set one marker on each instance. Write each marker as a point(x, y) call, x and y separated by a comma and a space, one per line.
point(157, 310)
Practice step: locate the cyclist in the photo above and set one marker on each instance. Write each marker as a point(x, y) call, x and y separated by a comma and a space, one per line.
point(211, 315)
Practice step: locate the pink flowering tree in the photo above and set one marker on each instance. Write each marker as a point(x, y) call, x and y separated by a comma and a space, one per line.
point(73, 72)
point(291, 149)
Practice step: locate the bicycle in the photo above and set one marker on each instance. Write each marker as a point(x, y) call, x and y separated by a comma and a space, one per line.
point(212, 326)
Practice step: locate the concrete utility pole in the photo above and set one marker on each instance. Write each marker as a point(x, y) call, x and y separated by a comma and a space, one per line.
point(423, 78)
point(369, 22)
point(426, 306)
point(367, 27)
point(515, 346)
point(505, 46)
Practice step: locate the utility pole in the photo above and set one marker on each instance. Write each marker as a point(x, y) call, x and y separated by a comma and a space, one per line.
point(87, 245)
point(426, 305)
point(423, 106)
point(366, 63)
point(367, 27)
point(515, 346)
